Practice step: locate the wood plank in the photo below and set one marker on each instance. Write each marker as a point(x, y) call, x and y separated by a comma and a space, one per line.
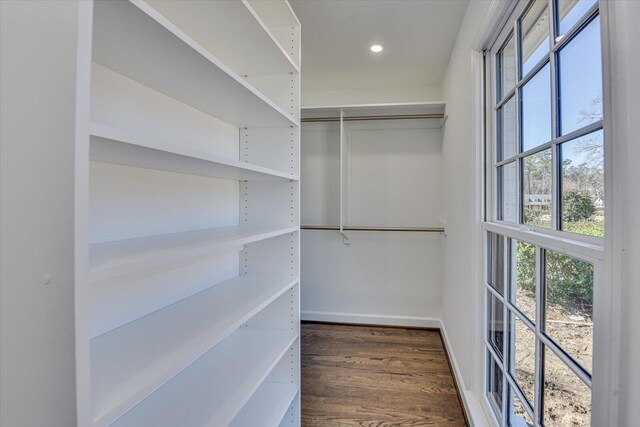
point(376, 376)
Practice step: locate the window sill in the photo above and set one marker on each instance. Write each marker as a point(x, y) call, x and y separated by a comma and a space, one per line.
point(557, 241)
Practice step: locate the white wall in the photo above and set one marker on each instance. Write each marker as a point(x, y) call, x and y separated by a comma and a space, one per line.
point(39, 54)
point(460, 201)
point(392, 179)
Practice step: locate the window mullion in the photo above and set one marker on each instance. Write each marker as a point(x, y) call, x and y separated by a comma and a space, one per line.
point(539, 380)
point(519, 204)
point(555, 197)
point(506, 332)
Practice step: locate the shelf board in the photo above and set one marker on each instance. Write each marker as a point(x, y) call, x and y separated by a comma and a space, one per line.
point(275, 13)
point(113, 259)
point(114, 146)
point(214, 388)
point(130, 362)
point(276, 16)
point(233, 31)
point(267, 407)
point(350, 110)
point(133, 39)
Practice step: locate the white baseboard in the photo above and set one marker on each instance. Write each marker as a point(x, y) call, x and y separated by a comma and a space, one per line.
point(470, 400)
point(371, 319)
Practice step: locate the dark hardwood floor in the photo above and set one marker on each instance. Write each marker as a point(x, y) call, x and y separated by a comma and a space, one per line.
point(375, 377)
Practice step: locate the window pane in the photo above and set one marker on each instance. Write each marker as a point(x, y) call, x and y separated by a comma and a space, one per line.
point(535, 35)
point(536, 110)
point(567, 400)
point(570, 12)
point(582, 185)
point(523, 361)
point(580, 65)
point(519, 415)
point(496, 262)
point(536, 180)
point(494, 385)
point(523, 277)
point(508, 179)
point(569, 306)
point(507, 61)
point(496, 324)
point(508, 134)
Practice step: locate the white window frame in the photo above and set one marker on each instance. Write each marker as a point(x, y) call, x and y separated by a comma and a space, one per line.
point(606, 322)
point(492, 199)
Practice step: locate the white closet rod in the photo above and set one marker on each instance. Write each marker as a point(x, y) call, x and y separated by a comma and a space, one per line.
point(341, 118)
point(373, 228)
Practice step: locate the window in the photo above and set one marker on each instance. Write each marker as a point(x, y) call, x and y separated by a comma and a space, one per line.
point(546, 319)
point(545, 169)
point(548, 164)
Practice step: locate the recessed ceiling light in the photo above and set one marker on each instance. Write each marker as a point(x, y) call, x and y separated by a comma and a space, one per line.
point(376, 48)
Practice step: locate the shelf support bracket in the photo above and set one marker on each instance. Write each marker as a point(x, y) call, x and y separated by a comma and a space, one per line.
point(345, 238)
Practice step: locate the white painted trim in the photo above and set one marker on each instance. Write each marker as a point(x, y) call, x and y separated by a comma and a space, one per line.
point(471, 401)
point(478, 123)
point(618, 96)
point(495, 19)
point(578, 249)
point(82, 313)
point(371, 319)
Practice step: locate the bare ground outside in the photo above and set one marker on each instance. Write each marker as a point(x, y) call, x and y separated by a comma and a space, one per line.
point(567, 400)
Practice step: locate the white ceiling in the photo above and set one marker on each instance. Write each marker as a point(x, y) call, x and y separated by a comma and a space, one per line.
point(417, 35)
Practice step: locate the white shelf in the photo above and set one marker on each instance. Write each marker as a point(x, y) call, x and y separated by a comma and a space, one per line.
point(401, 108)
point(115, 146)
point(267, 406)
point(392, 109)
point(228, 375)
point(275, 13)
point(112, 259)
point(132, 361)
point(282, 25)
point(136, 41)
point(233, 31)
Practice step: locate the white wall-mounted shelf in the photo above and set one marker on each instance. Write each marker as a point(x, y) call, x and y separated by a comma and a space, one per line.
point(400, 108)
point(282, 23)
point(136, 41)
point(230, 28)
point(274, 13)
point(114, 146)
point(113, 259)
point(228, 375)
point(379, 111)
point(130, 362)
point(267, 406)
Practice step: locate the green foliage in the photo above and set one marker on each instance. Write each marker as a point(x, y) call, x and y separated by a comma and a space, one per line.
point(569, 280)
point(538, 217)
point(526, 266)
point(587, 227)
point(577, 206)
point(532, 216)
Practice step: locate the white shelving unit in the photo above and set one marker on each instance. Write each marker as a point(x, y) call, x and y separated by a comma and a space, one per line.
point(188, 310)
